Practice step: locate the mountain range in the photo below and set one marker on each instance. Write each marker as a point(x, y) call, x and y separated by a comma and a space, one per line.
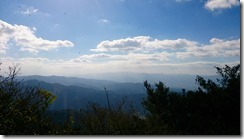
point(76, 93)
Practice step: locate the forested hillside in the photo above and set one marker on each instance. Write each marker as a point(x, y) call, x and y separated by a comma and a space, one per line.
point(212, 109)
point(76, 97)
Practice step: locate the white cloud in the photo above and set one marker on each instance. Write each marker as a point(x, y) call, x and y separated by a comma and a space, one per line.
point(77, 60)
point(3, 43)
point(142, 44)
point(220, 44)
point(220, 4)
point(142, 54)
point(129, 57)
point(29, 11)
point(216, 48)
point(181, 47)
point(2, 51)
point(25, 38)
point(92, 56)
point(170, 44)
point(127, 44)
point(148, 58)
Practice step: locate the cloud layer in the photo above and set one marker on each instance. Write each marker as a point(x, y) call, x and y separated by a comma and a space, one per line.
point(25, 38)
point(45, 66)
point(163, 49)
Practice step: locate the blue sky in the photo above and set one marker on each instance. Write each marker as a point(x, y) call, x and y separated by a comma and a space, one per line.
point(76, 37)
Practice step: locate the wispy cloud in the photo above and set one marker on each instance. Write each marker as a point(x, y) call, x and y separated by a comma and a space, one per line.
point(25, 38)
point(183, 0)
point(103, 20)
point(30, 10)
point(220, 4)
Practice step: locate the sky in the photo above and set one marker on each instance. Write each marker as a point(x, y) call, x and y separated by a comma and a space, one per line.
point(78, 37)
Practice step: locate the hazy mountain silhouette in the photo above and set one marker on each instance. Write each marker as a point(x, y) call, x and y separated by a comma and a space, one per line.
point(179, 81)
point(76, 97)
point(75, 93)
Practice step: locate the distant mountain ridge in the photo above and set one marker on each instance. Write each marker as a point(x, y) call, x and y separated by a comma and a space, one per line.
point(76, 97)
point(75, 93)
point(100, 81)
point(120, 88)
point(179, 81)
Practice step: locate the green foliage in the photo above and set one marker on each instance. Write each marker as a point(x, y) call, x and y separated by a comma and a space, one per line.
point(212, 109)
point(48, 98)
point(22, 108)
point(97, 120)
point(157, 98)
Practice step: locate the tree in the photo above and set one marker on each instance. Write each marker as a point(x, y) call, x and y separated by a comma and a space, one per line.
point(22, 108)
point(212, 109)
point(224, 99)
point(156, 104)
point(120, 120)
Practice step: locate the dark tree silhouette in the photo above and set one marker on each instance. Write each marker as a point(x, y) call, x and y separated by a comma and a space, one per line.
point(212, 109)
point(22, 108)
